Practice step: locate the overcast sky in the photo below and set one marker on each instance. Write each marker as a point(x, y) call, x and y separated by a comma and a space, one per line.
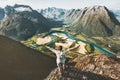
point(67, 4)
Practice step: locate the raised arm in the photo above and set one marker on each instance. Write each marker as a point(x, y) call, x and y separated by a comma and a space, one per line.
point(53, 50)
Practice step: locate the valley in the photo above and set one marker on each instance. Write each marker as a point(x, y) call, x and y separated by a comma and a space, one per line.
point(24, 33)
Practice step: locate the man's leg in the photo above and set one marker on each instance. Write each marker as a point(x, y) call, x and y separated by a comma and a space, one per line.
point(63, 63)
point(63, 66)
point(59, 67)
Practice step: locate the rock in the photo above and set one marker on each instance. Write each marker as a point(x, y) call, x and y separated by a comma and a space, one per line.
point(93, 67)
point(100, 64)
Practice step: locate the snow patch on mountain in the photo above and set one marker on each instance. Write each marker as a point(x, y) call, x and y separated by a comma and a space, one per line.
point(21, 9)
point(17, 8)
point(53, 13)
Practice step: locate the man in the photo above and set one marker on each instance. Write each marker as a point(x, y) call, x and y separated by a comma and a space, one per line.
point(60, 54)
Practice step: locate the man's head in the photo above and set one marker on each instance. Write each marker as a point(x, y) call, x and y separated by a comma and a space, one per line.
point(60, 48)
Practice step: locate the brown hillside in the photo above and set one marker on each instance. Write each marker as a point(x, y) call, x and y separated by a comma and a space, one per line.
point(18, 62)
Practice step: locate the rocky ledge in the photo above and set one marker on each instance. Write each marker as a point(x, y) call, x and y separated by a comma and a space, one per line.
point(92, 67)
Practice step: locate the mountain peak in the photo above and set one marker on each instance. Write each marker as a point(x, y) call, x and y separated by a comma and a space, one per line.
point(92, 19)
point(17, 8)
point(21, 8)
point(53, 13)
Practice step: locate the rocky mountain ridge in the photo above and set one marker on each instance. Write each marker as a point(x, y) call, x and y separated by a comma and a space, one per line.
point(53, 13)
point(96, 21)
point(23, 22)
point(81, 21)
point(88, 20)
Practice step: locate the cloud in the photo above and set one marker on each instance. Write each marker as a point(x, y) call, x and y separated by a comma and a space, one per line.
point(37, 4)
point(3, 3)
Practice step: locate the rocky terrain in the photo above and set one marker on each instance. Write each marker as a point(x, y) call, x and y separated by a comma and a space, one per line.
point(92, 67)
point(72, 15)
point(53, 13)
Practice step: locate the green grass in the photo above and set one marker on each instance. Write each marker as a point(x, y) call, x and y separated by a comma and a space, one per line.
point(90, 49)
point(80, 37)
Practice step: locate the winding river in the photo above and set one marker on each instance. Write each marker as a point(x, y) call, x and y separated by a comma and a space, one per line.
point(102, 50)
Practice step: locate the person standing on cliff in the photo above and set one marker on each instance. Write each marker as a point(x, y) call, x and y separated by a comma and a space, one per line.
point(60, 54)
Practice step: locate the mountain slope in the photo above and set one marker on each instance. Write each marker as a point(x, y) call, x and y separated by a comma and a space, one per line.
point(96, 21)
point(53, 13)
point(22, 22)
point(92, 67)
point(19, 62)
point(2, 13)
point(17, 8)
point(72, 15)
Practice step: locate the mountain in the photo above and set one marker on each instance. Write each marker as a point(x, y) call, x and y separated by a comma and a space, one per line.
point(2, 13)
point(53, 13)
point(117, 14)
point(19, 62)
point(71, 15)
point(94, 21)
point(87, 21)
point(17, 8)
point(92, 67)
point(23, 22)
point(12, 9)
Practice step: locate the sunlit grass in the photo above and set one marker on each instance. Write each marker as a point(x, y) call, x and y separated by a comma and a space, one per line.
point(80, 37)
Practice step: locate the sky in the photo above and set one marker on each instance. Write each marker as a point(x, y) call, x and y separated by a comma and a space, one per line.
point(66, 4)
